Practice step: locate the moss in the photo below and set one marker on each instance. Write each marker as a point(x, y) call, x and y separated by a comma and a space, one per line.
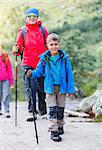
point(98, 119)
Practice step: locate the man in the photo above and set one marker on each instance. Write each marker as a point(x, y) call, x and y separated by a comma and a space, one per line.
point(30, 42)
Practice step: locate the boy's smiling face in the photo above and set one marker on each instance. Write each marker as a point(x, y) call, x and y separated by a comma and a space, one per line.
point(53, 46)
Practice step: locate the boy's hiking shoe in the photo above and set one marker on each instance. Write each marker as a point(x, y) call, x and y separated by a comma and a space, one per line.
point(55, 136)
point(61, 130)
point(7, 115)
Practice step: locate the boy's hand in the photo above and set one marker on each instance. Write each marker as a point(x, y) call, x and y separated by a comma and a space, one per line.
point(70, 95)
point(28, 73)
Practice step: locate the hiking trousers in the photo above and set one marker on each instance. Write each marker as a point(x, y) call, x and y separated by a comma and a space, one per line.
point(4, 95)
point(56, 105)
point(31, 87)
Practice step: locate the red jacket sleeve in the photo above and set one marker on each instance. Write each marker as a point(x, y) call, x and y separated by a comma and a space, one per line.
point(19, 41)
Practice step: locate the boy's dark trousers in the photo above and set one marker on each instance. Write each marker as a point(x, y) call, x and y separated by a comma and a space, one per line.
point(31, 86)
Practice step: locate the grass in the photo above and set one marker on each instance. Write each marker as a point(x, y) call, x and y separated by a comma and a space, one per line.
point(98, 119)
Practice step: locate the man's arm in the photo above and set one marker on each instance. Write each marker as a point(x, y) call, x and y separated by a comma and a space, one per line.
point(17, 48)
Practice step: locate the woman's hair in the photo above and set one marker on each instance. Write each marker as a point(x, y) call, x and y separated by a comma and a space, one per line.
point(53, 36)
point(4, 55)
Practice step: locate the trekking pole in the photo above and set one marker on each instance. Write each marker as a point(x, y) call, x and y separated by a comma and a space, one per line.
point(36, 133)
point(16, 70)
point(34, 117)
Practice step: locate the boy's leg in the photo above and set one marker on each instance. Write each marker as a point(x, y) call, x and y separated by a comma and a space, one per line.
point(60, 120)
point(60, 112)
point(41, 96)
point(51, 101)
point(53, 118)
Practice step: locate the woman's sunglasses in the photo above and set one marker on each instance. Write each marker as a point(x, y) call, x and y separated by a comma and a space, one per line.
point(32, 16)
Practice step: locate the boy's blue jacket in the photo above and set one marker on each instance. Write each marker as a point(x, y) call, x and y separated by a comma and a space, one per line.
point(66, 75)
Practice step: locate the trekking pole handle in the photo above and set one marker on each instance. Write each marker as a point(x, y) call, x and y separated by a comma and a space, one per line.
point(15, 63)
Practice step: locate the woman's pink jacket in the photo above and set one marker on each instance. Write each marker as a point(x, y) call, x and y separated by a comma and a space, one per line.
point(6, 71)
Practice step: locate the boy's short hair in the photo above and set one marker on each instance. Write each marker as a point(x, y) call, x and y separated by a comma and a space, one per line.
point(53, 36)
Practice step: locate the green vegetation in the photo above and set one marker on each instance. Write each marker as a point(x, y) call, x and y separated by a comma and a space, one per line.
point(98, 119)
point(78, 22)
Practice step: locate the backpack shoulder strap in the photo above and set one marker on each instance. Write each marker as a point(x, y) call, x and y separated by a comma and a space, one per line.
point(23, 31)
point(42, 29)
point(23, 34)
point(43, 32)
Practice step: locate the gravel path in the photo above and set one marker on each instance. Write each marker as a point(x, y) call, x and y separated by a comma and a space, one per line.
point(79, 134)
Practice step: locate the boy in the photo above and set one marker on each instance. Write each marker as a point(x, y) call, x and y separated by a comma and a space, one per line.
point(58, 81)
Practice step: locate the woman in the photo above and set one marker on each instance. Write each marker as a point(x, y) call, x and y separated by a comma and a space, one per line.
point(6, 81)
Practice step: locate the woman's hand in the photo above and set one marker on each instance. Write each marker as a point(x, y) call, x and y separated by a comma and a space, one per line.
point(12, 86)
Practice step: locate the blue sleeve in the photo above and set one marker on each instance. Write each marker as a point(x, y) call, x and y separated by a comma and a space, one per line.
point(39, 71)
point(70, 77)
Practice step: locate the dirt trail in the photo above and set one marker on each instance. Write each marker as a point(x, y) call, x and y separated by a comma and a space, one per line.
point(79, 135)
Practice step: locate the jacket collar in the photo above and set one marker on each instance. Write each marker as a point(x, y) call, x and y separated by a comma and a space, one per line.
point(47, 54)
point(33, 26)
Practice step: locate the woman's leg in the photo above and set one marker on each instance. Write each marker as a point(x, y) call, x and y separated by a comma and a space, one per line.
point(6, 95)
point(1, 97)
